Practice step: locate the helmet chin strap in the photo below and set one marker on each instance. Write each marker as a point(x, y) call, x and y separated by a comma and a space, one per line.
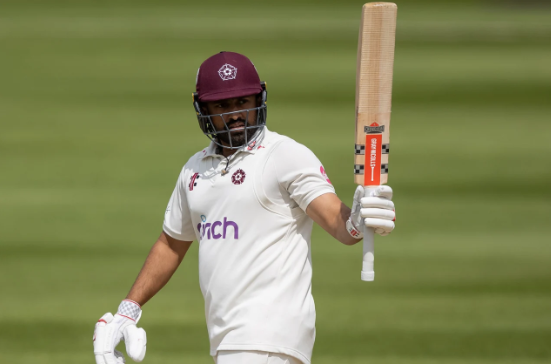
point(246, 142)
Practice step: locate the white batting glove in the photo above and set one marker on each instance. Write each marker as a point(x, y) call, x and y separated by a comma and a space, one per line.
point(375, 211)
point(110, 330)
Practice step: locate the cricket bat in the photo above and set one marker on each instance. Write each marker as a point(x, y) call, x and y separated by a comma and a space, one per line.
point(373, 103)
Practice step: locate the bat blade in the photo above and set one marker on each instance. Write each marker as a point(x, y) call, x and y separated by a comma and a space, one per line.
point(374, 71)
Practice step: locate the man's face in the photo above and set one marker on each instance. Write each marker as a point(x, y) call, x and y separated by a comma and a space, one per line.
point(235, 120)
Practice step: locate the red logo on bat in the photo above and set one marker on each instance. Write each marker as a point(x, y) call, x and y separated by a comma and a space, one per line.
point(372, 173)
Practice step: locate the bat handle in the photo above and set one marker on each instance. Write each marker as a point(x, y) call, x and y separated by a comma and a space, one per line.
point(368, 274)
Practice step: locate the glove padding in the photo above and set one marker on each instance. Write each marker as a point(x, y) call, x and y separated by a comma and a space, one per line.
point(376, 211)
point(109, 332)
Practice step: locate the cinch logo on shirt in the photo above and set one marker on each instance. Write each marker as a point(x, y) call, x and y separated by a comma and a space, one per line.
point(217, 229)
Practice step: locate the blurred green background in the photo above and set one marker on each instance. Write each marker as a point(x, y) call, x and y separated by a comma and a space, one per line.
point(96, 123)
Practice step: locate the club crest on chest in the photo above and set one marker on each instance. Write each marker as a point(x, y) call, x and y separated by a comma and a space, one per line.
point(238, 177)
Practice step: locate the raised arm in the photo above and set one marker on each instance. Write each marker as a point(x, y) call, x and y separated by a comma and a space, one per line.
point(375, 211)
point(329, 212)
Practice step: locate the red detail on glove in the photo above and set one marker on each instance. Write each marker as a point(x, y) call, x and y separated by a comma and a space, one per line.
point(134, 302)
point(130, 318)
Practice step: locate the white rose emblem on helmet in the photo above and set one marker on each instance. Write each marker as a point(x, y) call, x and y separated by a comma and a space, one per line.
point(227, 72)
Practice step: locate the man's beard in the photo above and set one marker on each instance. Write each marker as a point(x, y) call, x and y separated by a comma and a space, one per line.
point(237, 137)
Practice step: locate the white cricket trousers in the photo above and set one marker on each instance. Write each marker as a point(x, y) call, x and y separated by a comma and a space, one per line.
point(253, 357)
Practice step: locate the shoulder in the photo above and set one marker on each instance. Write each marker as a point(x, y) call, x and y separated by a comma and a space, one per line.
point(284, 146)
point(196, 158)
point(192, 163)
point(291, 158)
point(291, 152)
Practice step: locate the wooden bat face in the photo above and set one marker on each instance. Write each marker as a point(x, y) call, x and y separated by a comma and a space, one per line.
point(374, 93)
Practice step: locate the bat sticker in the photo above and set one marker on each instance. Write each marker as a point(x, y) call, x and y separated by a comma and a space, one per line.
point(374, 144)
point(374, 128)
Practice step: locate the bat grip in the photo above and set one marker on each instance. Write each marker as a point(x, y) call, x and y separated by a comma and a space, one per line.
point(368, 274)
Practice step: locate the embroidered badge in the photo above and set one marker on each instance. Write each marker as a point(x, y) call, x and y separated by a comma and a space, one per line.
point(227, 72)
point(238, 177)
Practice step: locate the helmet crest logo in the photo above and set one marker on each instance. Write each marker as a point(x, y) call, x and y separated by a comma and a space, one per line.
point(227, 72)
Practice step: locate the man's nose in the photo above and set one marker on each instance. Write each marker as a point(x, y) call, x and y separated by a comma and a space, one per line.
point(236, 115)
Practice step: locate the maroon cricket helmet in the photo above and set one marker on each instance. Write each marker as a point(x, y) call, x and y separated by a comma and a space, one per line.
point(226, 75)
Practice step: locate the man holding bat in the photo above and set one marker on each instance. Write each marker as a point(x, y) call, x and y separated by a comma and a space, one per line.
point(249, 199)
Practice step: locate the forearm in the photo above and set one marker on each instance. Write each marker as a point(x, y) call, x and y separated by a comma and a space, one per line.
point(331, 214)
point(339, 226)
point(161, 263)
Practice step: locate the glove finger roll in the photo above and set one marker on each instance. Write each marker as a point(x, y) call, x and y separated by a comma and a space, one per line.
point(107, 318)
point(378, 214)
point(382, 232)
point(386, 225)
point(383, 191)
point(377, 202)
point(136, 341)
point(99, 340)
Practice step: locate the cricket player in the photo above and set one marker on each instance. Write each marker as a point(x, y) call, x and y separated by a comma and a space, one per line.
point(249, 199)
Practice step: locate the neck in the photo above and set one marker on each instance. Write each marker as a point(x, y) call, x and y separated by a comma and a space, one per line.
point(226, 152)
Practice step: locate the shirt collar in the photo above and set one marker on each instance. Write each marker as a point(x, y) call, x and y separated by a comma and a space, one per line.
point(251, 148)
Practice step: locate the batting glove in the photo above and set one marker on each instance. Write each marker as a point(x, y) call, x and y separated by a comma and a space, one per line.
point(375, 211)
point(110, 330)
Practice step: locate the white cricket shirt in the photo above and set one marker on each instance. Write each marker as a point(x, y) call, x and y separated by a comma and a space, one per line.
point(255, 268)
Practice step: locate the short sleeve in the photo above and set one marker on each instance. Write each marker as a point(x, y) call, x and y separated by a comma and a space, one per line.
point(301, 173)
point(177, 223)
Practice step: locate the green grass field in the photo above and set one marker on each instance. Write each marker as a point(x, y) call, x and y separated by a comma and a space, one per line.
point(96, 123)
